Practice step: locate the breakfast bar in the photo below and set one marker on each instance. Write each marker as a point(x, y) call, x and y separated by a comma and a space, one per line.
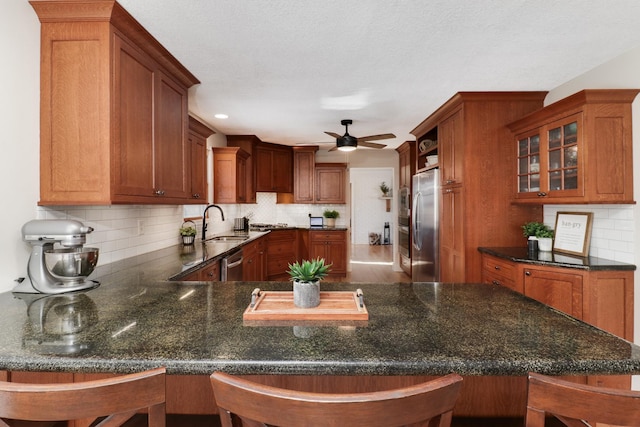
point(135, 321)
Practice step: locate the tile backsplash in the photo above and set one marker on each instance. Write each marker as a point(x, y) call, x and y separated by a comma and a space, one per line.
point(612, 229)
point(123, 231)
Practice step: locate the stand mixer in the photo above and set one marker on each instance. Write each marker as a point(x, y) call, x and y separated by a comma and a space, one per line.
point(57, 270)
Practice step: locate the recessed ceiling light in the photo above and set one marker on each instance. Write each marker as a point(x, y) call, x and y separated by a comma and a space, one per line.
point(221, 116)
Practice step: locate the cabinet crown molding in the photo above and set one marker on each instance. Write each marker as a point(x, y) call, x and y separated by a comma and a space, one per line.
point(96, 11)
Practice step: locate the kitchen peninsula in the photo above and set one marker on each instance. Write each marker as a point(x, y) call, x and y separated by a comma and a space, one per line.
point(137, 320)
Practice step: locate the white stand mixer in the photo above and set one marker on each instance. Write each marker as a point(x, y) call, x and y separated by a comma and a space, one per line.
point(57, 270)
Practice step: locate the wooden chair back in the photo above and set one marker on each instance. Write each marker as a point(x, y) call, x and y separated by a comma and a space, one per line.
point(117, 399)
point(579, 405)
point(245, 403)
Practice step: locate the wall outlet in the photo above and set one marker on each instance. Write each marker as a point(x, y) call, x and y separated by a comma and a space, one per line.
point(140, 227)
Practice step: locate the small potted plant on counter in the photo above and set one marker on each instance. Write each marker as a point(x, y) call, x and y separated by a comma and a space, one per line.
point(331, 216)
point(306, 276)
point(188, 232)
point(540, 233)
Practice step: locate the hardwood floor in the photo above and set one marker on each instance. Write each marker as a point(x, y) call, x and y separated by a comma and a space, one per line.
point(373, 263)
point(369, 263)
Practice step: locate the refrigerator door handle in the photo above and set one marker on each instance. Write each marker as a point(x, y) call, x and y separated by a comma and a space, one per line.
point(415, 212)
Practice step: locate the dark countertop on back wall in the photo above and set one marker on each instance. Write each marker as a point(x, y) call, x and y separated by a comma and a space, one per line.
point(136, 320)
point(555, 259)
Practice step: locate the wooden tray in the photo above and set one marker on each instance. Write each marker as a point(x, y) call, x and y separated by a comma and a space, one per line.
point(334, 306)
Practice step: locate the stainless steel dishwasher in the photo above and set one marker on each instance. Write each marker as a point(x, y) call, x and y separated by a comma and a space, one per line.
point(231, 267)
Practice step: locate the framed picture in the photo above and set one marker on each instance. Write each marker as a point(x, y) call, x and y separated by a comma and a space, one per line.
point(573, 233)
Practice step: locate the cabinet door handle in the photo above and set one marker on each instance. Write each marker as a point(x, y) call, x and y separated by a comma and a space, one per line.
point(497, 267)
point(527, 273)
point(496, 282)
point(450, 181)
point(448, 190)
point(542, 194)
point(196, 196)
point(159, 192)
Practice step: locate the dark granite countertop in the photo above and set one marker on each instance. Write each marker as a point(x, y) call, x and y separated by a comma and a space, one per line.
point(554, 259)
point(135, 320)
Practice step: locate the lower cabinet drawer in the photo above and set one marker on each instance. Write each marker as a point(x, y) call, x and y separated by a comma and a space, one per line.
point(501, 267)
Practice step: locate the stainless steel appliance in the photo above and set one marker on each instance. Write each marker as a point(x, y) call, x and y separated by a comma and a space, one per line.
point(55, 270)
point(425, 262)
point(231, 267)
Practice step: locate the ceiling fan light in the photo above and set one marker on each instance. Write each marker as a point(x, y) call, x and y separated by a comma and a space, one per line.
point(347, 143)
point(347, 148)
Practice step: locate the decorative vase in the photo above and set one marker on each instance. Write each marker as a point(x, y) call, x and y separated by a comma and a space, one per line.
point(330, 222)
point(545, 244)
point(306, 294)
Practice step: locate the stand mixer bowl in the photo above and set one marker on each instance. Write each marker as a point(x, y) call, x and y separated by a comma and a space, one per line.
point(71, 264)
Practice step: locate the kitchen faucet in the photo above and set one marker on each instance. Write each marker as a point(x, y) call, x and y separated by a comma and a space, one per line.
point(204, 219)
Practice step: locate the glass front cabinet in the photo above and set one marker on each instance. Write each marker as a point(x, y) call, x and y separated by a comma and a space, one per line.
point(577, 150)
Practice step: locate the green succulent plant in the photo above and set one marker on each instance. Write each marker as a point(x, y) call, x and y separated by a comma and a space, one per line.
point(308, 270)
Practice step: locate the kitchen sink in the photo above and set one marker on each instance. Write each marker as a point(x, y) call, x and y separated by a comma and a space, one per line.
point(232, 238)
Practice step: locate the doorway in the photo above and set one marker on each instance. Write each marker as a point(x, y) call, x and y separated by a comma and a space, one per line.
point(368, 217)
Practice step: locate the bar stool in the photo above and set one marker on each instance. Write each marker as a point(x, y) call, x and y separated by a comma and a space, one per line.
point(238, 399)
point(117, 398)
point(576, 404)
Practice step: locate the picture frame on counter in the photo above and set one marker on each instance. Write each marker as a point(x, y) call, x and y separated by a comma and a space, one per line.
point(573, 233)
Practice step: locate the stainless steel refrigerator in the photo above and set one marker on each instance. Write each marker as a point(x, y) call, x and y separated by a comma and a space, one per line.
point(425, 262)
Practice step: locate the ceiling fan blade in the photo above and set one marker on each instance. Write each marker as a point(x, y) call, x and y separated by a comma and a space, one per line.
point(334, 148)
point(333, 134)
point(370, 144)
point(376, 137)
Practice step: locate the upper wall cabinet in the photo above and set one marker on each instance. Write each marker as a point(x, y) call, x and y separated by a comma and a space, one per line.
point(114, 123)
point(274, 168)
point(577, 150)
point(198, 134)
point(249, 144)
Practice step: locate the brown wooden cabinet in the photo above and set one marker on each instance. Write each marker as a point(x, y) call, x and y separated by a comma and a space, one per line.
point(576, 150)
point(282, 249)
point(330, 183)
point(274, 168)
point(254, 265)
point(229, 175)
point(206, 273)
point(304, 160)
point(113, 104)
point(249, 144)
point(198, 134)
point(603, 298)
point(332, 246)
point(407, 163)
point(470, 134)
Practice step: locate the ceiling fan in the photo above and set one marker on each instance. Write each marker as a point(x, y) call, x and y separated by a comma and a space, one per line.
point(347, 142)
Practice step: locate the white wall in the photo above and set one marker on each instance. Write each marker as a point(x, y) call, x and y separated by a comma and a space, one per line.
point(19, 132)
point(116, 227)
point(618, 226)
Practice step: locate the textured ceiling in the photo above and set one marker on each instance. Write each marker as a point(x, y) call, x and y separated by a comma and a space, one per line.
point(288, 70)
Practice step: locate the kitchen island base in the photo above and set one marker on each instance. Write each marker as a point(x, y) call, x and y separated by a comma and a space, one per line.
point(481, 396)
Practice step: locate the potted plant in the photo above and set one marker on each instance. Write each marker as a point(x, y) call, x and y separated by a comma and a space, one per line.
point(540, 232)
point(385, 189)
point(188, 233)
point(545, 239)
point(331, 216)
point(306, 276)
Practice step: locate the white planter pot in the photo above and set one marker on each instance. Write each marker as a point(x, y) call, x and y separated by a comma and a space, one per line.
point(545, 244)
point(330, 222)
point(306, 294)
